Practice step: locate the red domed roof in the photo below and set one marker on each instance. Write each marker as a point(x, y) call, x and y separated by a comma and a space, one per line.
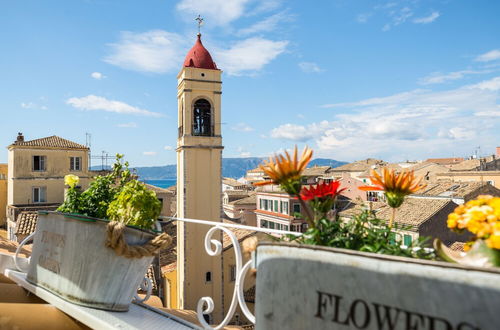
point(199, 57)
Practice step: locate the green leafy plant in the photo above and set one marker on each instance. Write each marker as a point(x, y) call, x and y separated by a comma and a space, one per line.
point(135, 205)
point(115, 195)
point(364, 233)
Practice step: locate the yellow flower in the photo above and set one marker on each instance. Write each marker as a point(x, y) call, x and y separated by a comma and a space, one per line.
point(286, 170)
point(71, 180)
point(452, 220)
point(481, 217)
point(395, 185)
point(494, 242)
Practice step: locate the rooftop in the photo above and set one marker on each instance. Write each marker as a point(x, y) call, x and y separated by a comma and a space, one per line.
point(51, 142)
point(359, 166)
point(445, 188)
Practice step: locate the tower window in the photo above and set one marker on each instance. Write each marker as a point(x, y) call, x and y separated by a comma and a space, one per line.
point(203, 75)
point(208, 277)
point(202, 119)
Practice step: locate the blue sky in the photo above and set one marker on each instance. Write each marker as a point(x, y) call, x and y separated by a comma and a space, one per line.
point(394, 80)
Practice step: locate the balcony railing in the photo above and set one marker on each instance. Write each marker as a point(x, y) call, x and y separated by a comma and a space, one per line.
point(214, 248)
point(205, 305)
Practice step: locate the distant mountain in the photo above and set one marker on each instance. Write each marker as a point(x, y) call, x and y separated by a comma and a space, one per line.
point(326, 162)
point(231, 168)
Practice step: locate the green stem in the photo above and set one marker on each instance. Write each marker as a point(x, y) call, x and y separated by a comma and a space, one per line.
point(393, 216)
point(309, 216)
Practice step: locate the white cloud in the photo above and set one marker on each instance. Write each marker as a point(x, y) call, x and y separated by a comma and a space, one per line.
point(310, 67)
point(31, 105)
point(427, 19)
point(460, 133)
point(242, 127)
point(217, 12)
point(245, 154)
point(93, 102)
point(149, 153)
point(489, 56)
point(28, 105)
point(154, 51)
point(97, 75)
point(292, 132)
point(363, 18)
point(127, 125)
point(266, 25)
point(439, 77)
point(410, 124)
point(249, 56)
point(398, 17)
point(168, 148)
point(490, 85)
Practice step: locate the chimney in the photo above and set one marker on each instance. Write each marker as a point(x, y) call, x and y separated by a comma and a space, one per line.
point(20, 137)
point(498, 152)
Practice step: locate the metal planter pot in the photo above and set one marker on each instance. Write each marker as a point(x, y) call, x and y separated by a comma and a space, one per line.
point(70, 259)
point(310, 287)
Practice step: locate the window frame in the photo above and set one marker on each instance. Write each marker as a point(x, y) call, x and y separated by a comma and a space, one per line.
point(73, 162)
point(42, 163)
point(42, 192)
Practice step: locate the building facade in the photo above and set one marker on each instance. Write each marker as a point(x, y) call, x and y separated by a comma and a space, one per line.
point(278, 210)
point(36, 171)
point(3, 194)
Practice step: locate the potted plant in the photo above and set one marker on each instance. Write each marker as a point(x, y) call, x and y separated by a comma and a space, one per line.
point(95, 250)
point(355, 275)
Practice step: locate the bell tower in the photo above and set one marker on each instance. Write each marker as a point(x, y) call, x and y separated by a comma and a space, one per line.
point(199, 154)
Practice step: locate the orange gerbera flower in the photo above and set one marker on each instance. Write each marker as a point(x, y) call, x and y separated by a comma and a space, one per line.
point(395, 185)
point(286, 170)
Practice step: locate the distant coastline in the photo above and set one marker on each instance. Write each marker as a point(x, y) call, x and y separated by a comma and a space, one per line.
point(161, 183)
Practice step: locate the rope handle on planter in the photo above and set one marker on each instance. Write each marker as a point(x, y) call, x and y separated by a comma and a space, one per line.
point(115, 240)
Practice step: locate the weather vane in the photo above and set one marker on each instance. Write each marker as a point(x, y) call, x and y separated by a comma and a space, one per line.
point(200, 22)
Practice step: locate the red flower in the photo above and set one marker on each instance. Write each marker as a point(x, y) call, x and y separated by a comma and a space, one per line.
point(321, 190)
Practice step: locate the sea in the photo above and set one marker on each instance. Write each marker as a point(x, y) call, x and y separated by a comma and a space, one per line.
point(161, 183)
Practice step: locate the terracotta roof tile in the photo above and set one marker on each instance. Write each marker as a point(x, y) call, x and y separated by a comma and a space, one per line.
point(26, 223)
point(359, 166)
point(454, 189)
point(316, 170)
point(244, 201)
point(414, 211)
point(50, 142)
point(240, 234)
point(249, 294)
point(445, 161)
point(457, 246)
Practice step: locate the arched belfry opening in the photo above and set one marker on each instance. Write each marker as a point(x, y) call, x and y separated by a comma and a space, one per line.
point(202, 118)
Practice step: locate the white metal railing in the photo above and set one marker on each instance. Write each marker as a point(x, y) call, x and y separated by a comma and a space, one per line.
point(214, 248)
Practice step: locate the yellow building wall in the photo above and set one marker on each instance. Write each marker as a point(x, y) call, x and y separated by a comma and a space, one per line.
point(198, 191)
point(22, 178)
point(170, 287)
point(3, 193)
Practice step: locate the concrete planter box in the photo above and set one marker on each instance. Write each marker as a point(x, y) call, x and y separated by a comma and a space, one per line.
point(309, 287)
point(70, 259)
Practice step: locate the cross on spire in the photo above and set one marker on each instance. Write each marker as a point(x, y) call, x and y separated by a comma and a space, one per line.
point(200, 23)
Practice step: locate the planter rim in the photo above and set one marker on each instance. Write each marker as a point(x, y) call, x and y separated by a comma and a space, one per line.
point(380, 256)
point(82, 217)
